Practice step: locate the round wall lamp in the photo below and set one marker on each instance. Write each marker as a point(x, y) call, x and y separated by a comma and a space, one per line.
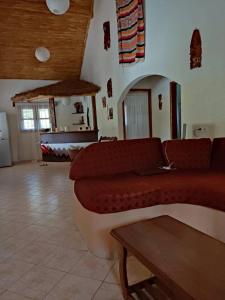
point(42, 54)
point(58, 7)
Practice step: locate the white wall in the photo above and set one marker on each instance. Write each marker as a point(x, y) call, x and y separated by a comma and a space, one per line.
point(24, 145)
point(160, 118)
point(169, 27)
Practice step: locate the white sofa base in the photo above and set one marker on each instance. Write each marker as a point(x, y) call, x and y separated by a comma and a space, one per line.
point(95, 228)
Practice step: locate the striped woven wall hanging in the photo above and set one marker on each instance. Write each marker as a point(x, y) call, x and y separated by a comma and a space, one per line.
point(131, 30)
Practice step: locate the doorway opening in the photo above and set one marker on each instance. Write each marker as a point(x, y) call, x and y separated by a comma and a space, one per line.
point(137, 115)
point(152, 107)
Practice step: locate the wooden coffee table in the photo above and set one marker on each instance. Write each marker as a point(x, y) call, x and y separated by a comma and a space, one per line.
point(186, 263)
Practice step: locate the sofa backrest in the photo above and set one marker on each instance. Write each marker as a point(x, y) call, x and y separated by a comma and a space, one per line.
point(188, 154)
point(218, 154)
point(117, 157)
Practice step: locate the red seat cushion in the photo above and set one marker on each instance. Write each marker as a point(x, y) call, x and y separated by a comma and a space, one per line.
point(218, 154)
point(188, 154)
point(117, 157)
point(115, 193)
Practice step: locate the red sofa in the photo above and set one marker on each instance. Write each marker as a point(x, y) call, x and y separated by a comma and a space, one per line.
point(120, 182)
point(109, 176)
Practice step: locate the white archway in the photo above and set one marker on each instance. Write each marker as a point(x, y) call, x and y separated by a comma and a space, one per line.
point(161, 87)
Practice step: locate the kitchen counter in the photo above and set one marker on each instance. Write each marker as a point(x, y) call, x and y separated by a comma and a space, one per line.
point(69, 137)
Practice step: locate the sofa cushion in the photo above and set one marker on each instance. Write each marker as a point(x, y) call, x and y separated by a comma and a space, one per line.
point(218, 154)
point(116, 193)
point(188, 154)
point(117, 157)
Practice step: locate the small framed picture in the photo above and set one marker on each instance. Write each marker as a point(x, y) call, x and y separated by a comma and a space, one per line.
point(110, 113)
point(104, 102)
point(107, 39)
point(109, 88)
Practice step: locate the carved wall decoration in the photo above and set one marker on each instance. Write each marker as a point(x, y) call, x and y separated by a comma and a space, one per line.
point(79, 109)
point(104, 102)
point(110, 113)
point(160, 101)
point(196, 50)
point(107, 38)
point(109, 88)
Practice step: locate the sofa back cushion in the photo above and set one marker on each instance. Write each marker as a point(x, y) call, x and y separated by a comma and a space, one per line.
point(111, 158)
point(218, 154)
point(188, 154)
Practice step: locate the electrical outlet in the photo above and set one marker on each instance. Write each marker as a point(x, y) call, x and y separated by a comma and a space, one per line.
point(203, 130)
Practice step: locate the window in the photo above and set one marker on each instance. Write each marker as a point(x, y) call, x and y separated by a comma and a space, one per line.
point(34, 116)
point(43, 118)
point(27, 119)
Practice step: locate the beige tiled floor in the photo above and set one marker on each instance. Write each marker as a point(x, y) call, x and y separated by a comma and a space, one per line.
point(42, 255)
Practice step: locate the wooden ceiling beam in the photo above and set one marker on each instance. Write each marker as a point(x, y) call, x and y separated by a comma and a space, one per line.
point(66, 88)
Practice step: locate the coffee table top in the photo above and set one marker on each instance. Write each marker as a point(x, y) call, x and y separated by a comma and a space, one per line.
point(186, 260)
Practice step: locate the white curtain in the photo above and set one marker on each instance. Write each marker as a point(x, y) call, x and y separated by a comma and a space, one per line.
point(136, 115)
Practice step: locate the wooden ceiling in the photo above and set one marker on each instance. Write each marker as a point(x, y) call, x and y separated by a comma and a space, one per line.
point(28, 24)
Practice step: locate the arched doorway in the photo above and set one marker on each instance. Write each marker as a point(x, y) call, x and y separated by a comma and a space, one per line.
point(152, 107)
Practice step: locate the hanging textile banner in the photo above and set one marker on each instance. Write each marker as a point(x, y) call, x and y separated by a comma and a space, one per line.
point(131, 30)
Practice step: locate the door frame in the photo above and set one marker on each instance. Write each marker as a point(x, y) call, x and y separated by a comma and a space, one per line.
point(149, 91)
point(173, 110)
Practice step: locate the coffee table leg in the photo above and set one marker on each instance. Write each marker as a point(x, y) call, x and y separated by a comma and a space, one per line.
point(123, 274)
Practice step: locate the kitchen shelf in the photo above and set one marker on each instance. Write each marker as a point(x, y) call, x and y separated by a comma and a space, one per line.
point(78, 124)
point(76, 113)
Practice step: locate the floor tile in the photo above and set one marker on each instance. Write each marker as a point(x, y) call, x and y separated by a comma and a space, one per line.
point(12, 270)
point(108, 291)
point(92, 267)
point(41, 279)
point(72, 287)
point(12, 296)
point(42, 254)
point(10, 229)
point(38, 233)
point(2, 290)
point(56, 221)
point(63, 259)
point(11, 246)
point(35, 252)
point(70, 239)
point(23, 289)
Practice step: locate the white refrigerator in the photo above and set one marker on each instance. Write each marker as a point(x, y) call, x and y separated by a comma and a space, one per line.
point(5, 151)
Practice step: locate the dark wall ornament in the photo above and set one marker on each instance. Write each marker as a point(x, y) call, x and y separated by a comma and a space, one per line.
point(160, 101)
point(109, 88)
point(107, 39)
point(104, 102)
point(79, 109)
point(110, 113)
point(196, 50)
